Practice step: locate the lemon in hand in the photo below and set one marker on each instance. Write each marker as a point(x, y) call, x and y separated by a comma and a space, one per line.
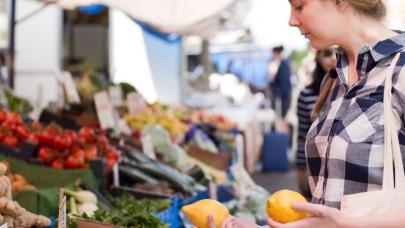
point(279, 206)
point(198, 212)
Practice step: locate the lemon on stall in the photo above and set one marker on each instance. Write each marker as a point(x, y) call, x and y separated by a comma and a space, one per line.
point(279, 206)
point(198, 212)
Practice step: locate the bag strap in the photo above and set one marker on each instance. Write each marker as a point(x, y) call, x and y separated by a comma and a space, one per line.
point(392, 151)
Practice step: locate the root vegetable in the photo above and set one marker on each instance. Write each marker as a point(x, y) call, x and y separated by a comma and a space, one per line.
point(5, 186)
point(3, 169)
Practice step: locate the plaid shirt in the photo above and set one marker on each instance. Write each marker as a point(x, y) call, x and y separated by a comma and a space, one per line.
point(344, 147)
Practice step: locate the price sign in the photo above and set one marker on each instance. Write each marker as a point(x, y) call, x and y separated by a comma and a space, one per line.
point(105, 112)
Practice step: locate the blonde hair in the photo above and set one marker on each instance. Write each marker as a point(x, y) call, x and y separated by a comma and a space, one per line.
point(372, 8)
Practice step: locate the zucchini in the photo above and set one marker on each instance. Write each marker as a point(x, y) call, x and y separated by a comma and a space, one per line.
point(136, 175)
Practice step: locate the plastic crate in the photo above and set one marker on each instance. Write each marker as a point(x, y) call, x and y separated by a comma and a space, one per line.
point(199, 196)
point(171, 215)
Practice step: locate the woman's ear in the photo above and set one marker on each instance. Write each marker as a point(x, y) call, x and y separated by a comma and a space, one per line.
point(342, 5)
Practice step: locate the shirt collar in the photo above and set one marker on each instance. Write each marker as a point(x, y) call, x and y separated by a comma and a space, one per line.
point(381, 49)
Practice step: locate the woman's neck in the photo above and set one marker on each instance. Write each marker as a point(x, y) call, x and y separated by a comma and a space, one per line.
point(362, 31)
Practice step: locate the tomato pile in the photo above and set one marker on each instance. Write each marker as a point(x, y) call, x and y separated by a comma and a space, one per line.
point(58, 148)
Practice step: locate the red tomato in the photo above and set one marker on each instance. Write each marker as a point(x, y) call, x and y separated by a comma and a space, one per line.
point(46, 155)
point(46, 138)
point(90, 153)
point(73, 162)
point(36, 125)
point(33, 138)
point(111, 162)
point(111, 153)
point(10, 141)
point(14, 118)
point(70, 134)
point(3, 116)
point(22, 133)
point(62, 143)
point(102, 141)
point(57, 163)
point(77, 151)
point(87, 133)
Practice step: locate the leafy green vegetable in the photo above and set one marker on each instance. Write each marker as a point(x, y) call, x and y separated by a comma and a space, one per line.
point(132, 213)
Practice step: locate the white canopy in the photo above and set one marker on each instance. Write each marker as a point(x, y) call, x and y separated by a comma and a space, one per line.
point(171, 16)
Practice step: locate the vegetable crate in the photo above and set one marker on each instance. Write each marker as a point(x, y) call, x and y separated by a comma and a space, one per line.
point(171, 214)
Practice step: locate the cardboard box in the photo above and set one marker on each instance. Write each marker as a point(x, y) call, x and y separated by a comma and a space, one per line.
point(219, 160)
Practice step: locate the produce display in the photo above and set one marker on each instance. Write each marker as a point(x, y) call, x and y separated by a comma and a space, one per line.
point(138, 168)
point(18, 182)
point(72, 150)
point(13, 214)
point(199, 211)
point(127, 212)
point(279, 206)
point(169, 167)
point(218, 121)
point(156, 114)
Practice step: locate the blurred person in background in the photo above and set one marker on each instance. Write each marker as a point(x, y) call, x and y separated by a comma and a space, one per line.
point(280, 84)
point(325, 60)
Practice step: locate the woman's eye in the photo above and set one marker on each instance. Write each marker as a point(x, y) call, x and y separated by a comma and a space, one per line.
point(299, 8)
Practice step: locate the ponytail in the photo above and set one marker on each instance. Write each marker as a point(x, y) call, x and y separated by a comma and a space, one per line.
point(324, 93)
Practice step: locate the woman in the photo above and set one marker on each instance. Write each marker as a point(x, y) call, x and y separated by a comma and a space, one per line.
point(325, 60)
point(344, 147)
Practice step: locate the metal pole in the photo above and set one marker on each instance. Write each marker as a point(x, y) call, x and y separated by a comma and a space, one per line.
point(11, 49)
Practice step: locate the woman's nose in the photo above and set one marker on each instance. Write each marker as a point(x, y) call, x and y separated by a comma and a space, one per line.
point(293, 21)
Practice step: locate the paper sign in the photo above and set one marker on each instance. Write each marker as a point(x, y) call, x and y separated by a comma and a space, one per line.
point(243, 179)
point(147, 147)
point(115, 93)
point(71, 91)
point(104, 110)
point(62, 213)
point(135, 103)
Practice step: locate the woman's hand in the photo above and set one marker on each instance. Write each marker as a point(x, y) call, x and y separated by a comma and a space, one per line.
point(232, 222)
point(320, 216)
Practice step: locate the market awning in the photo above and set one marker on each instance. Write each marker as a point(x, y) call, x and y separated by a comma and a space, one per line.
point(170, 16)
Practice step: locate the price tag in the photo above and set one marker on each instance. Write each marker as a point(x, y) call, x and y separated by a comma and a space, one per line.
point(71, 91)
point(245, 182)
point(105, 112)
point(135, 103)
point(147, 147)
point(115, 93)
point(62, 213)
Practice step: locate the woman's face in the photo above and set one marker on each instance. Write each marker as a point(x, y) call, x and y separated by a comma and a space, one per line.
point(327, 58)
point(318, 20)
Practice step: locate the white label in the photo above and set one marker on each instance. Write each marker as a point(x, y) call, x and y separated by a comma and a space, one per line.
point(115, 93)
point(104, 110)
point(135, 103)
point(116, 179)
point(70, 87)
point(245, 182)
point(147, 147)
point(62, 213)
point(4, 225)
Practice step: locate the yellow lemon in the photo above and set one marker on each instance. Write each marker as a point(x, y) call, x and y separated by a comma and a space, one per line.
point(279, 206)
point(198, 212)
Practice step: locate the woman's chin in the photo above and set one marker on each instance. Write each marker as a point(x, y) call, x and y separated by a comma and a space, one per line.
point(318, 45)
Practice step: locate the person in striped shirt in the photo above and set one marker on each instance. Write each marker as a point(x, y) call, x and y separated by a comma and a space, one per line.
point(325, 60)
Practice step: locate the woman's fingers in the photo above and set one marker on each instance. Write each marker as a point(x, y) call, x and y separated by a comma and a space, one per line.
point(211, 223)
point(273, 224)
point(228, 223)
point(314, 209)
